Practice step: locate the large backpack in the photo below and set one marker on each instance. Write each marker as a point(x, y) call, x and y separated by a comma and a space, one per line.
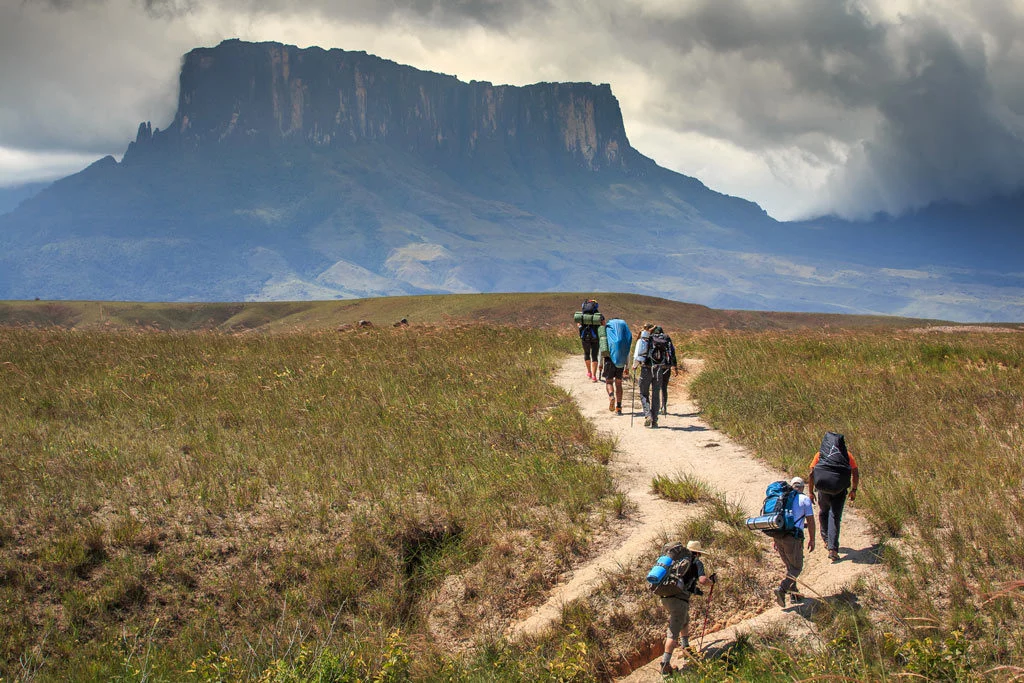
point(619, 340)
point(666, 576)
point(833, 473)
point(777, 518)
point(589, 306)
point(659, 349)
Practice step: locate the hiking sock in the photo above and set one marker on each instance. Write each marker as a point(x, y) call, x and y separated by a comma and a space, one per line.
point(684, 642)
point(666, 658)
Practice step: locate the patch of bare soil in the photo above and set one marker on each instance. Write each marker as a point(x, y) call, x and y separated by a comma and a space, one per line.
point(685, 444)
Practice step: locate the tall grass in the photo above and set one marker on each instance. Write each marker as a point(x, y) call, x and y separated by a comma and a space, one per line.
point(935, 422)
point(173, 503)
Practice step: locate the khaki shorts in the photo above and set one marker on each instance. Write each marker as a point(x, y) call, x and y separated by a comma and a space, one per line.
point(678, 615)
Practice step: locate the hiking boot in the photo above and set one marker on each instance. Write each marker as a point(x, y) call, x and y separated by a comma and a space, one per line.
point(618, 409)
point(590, 375)
point(654, 424)
point(780, 597)
point(833, 555)
point(795, 598)
point(647, 422)
point(667, 669)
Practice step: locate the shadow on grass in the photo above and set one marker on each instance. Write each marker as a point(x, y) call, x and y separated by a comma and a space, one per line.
point(808, 606)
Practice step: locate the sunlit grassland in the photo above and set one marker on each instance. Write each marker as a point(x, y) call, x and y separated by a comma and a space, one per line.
point(936, 422)
point(176, 504)
point(359, 505)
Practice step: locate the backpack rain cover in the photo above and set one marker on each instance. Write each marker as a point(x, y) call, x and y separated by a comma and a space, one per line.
point(619, 341)
point(833, 473)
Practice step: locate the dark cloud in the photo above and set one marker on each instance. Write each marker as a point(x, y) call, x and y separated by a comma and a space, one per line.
point(79, 79)
point(169, 8)
point(491, 13)
point(925, 109)
point(943, 133)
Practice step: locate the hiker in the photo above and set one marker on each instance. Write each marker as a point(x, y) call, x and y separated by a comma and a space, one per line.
point(651, 357)
point(645, 374)
point(587, 322)
point(832, 471)
point(616, 339)
point(791, 545)
point(661, 383)
point(678, 606)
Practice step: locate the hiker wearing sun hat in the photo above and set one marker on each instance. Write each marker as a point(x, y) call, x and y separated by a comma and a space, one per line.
point(790, 546)
point(678, 606)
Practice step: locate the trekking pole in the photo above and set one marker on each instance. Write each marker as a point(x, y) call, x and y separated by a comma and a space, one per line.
point(632, 402)
point(707, 613)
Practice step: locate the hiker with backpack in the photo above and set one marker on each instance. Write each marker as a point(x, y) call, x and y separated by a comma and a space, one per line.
point(789, 543)
point(652, 358)
point(616, 338)
point(661, 382)
point(832, 472)
point(678, 575)
point(587, 321)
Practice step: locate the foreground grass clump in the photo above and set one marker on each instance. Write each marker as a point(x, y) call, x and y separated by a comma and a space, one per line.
point(936, 422)
point(180, 504)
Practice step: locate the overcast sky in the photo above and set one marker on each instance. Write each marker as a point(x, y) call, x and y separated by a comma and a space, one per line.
point(804, 106)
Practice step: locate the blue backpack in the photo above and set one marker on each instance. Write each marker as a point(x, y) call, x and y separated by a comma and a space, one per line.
point(666, 576)
point(777, 518)
point(619, 341)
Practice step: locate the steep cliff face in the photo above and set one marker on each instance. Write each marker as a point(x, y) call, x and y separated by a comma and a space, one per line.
point(266, 93)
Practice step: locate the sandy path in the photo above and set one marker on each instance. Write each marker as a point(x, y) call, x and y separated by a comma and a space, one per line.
point(684, 444)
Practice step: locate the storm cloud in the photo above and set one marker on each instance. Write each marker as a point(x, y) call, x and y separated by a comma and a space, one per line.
point(804, 107)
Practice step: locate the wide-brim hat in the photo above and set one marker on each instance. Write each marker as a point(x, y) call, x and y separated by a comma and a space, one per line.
point(696, 547)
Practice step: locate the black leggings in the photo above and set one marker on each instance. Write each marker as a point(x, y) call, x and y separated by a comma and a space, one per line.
point(830, 516)
point(591, 349)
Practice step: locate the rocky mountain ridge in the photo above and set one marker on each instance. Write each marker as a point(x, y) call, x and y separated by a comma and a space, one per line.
point(267, 93)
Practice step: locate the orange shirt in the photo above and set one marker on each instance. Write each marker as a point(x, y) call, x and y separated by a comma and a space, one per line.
point(853, 463)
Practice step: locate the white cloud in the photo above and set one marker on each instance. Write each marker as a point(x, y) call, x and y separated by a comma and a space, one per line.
point(18, 167)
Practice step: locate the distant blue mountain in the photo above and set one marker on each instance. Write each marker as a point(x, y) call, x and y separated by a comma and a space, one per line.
point(292, 173)
point(987, 235)
point(11, 197)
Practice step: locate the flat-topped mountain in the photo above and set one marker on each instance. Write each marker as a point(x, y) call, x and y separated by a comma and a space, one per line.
point(244, 94)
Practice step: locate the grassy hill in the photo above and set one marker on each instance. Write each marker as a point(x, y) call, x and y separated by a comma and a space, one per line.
point(185, 499)
point(542, 311)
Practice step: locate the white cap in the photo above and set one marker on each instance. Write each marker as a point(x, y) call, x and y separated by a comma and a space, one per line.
point(796, 482)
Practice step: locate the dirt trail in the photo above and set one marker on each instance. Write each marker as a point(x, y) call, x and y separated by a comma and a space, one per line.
point(685, 444)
